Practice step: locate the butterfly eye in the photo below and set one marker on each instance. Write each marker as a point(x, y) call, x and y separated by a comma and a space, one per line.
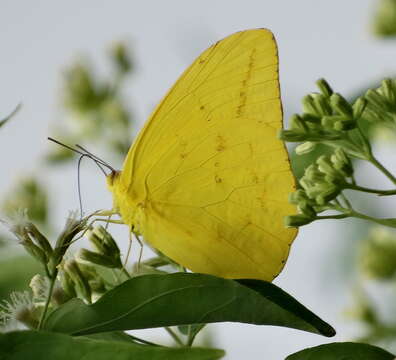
point(111, 177)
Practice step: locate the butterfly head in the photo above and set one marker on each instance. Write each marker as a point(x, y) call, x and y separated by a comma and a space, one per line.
point(113, 184)
point(112, 179)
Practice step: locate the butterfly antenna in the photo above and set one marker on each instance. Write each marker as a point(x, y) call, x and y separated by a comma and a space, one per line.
point(79, 185)
point(96, 157)
point(85, 153)
point(64, 145)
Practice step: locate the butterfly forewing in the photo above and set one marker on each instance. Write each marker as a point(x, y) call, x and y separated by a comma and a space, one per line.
point(208, 166)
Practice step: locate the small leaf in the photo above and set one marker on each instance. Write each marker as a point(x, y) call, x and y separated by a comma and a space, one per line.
point(3, 121)
point(344, 351)
point(183, 298)
point(21, 345)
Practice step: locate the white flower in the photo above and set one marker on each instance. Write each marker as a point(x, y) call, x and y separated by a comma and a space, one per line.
point(11, 312)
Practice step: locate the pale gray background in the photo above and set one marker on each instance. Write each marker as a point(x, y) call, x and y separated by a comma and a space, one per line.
point(328, 39)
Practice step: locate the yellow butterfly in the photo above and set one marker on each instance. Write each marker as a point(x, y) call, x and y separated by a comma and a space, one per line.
point(207, 180)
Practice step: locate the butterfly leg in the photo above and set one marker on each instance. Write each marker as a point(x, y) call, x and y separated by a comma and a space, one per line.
point(92, 222)
point(132, 233)
point(141, 249)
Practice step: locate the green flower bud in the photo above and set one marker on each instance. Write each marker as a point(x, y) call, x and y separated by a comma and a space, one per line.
point(297, 196)
point(388, 90)
point(325, 165)
point(328, 122)
point(345, 125)
point(296, 123)
point(82, 93)
point(341, 106)
point(313, 174)
point(310, 121)
point(291, 135)
point(385, 18)
point(322, 135)
point(95, 281)
point(378, 255)
point(305, 148)
point(35, 251)
point(121, 58)
point(324, 87)
point(103, 241)
point(309, 105)
point(306, 184)
point(376, 101)
point(297, 220)
point(328, 194)
point(72, 227)
point(322, 105)
point(40, 239)
point(99, 259)
point(67, 284)
point(305, 208)
point(342, 162)
point(81, 284)
point(358, 107)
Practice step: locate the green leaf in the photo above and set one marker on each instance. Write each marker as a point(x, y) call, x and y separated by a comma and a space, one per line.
point(183, 298)
point(342, 351)
point(21, 345)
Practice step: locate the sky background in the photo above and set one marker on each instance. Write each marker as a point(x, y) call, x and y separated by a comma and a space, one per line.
point(330, 39)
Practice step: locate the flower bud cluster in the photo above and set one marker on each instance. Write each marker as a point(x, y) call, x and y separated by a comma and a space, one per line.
point(81, 280)
point(378, 255)
point(385, 18)
point(72, 228)
point(107, 252)
point(37, 245)
point(121, 58)
point(322, 182)
point(326, 117)
point(98, 110)
point(34, 242)
point(381, 104)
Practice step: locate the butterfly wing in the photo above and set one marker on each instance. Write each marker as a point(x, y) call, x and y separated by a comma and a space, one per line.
point(208, 171)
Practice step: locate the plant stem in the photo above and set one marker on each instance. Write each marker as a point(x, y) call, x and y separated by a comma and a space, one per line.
point(346, 201)
point(190, 338)
point(380, 167)
point(341, 216)
point(47, 302)
point(391, 222)
point(373, 191)
point(144, 341)
point(174, 336)
point(125, 271)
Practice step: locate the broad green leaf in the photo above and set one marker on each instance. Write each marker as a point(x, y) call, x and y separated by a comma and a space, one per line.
point(33, 345)
point(342, 351)
point(183, 298)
